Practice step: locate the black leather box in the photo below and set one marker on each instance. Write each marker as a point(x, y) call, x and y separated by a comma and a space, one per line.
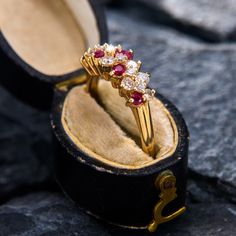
point(98, 159)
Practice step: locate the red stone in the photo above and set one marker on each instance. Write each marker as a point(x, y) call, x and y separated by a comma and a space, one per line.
point(119, 69)
point(99, 53)
point(137, 97)
point(128, 53)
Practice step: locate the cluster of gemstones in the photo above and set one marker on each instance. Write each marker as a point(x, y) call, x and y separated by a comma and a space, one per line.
point(119, 65)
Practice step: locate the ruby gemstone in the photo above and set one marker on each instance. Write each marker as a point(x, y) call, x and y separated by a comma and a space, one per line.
point(119, 69)
point(137, 97)
point(129, 54)
point(99, 53)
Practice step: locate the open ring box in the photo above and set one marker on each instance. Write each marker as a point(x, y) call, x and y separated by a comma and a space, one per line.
point(99, 162)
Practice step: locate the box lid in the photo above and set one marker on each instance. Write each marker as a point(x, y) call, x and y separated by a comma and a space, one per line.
point(42, 41)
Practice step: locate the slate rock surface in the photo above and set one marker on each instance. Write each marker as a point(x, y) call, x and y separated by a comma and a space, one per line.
point(199, 78)
point(213, 20)
point(44, 213)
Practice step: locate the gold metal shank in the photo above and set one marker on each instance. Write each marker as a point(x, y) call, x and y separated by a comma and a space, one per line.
point(143, 119)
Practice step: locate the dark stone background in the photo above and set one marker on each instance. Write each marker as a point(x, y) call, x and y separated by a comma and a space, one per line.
point(189, 46)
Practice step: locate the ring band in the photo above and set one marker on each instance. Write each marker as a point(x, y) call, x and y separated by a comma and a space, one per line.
point(116, 65)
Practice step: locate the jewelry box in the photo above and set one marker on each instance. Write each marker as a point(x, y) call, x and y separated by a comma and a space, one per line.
point(98, 159)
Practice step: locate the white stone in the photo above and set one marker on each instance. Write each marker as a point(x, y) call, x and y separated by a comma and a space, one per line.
point(132, 64)
point(132, 67)
point(110, 48)
point(121, 56)
point(131, 71)
point(141, 87)
point(107, 61)
point(127, 83)
point(143, 77)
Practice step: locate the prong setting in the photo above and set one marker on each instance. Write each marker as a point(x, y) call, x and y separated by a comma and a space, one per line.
point(117, 65)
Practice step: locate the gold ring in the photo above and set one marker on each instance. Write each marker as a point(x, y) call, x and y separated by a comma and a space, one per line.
point(116, 65)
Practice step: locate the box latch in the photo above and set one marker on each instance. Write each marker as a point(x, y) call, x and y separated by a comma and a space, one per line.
point(165, 182)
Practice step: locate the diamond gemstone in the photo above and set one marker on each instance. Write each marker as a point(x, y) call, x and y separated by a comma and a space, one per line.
point(132, 67)
point(120, 56)
point(107, 61)
point(127, 83)
point(110, 48)
point(141, 87)
point(143, 78)
point(132, 64)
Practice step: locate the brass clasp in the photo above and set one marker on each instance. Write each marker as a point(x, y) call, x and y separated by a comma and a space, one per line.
point(165, 182)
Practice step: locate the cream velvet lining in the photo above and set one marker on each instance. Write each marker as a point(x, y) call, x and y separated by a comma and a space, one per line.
point(49, 35)
point(91, 127)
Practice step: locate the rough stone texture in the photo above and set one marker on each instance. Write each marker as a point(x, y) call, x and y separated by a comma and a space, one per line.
point(25, 147)
point(214, 20)
point(44, 213)
point(200, 79)
point(51, 214)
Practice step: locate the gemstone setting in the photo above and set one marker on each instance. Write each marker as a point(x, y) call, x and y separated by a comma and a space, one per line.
point(107, 61)
point(120, 56)
point(99, 53)
point(149, 94)
point(110, 48)
point(137, 98)
point(140, 87)
point(128, 53)
point(119, 69)
point(127, 83)
point(143, 77)
point(124, 54)
point(132, 67)
point(117, 65)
